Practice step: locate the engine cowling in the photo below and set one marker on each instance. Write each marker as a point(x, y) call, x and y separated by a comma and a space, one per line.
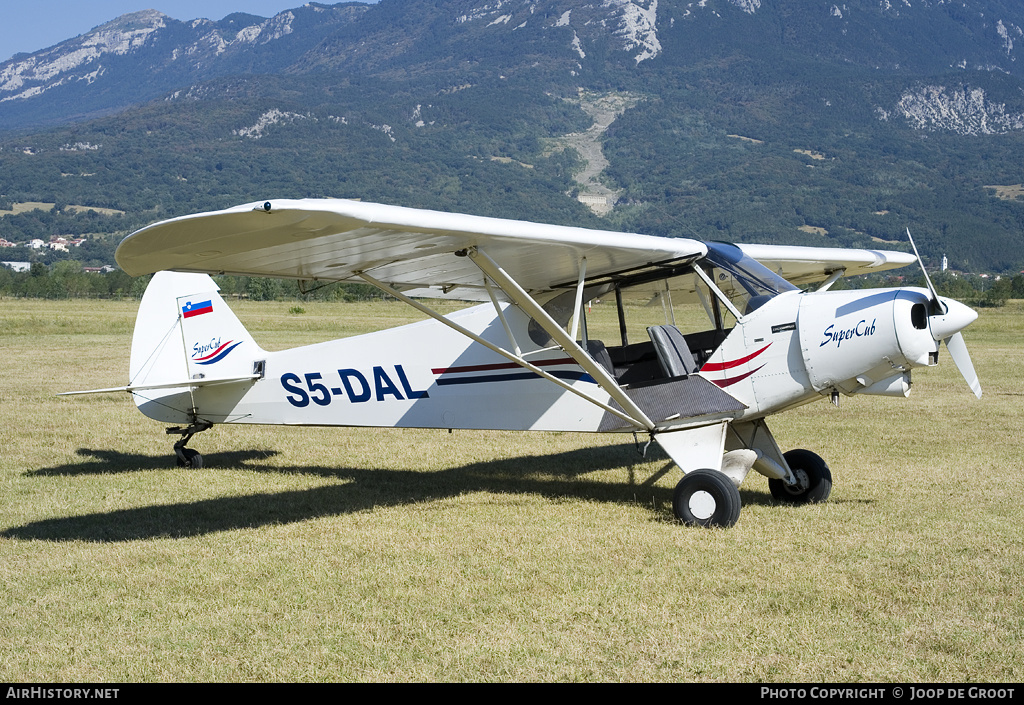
point(866, 339)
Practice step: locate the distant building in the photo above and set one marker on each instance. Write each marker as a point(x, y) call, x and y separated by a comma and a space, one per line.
point(18, 266)
point(945, 263)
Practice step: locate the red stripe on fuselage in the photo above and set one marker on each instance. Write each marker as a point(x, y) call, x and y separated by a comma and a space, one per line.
point(719, 366)
point(729, 381)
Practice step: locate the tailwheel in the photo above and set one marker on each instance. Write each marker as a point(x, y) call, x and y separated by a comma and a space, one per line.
point(189, 458)
point(813, 479)
point(706, 498)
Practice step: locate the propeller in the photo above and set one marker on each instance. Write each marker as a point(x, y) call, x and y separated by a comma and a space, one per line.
point(946, 318)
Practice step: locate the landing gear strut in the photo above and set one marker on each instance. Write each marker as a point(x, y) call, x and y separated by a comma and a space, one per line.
point(188, 457)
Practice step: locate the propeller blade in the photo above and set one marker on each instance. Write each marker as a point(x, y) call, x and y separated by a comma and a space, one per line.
point(936, 305)
point(950, 317)
point(958, 351)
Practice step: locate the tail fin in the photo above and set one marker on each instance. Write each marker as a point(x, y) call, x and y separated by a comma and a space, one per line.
point(185, 331)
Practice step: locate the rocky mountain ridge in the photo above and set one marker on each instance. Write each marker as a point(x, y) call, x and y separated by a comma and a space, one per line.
point(143, 55)
point(746, 120)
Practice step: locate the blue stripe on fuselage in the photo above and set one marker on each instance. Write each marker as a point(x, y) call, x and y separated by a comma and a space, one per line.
point(573, 376)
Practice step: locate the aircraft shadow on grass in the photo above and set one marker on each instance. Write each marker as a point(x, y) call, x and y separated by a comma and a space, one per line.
point(112, 462)
point(556, 476)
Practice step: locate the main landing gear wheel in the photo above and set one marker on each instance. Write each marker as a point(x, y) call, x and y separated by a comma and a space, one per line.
point(192, 458)
point(706, 498)
point(813, 479)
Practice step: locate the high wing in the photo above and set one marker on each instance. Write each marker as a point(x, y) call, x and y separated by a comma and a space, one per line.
point(410, 249)
point(806, 265)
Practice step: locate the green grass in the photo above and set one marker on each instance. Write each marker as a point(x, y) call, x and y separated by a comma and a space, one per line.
point(302, 554)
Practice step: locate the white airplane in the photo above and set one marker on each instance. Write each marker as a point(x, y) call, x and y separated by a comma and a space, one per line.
point(523, 359)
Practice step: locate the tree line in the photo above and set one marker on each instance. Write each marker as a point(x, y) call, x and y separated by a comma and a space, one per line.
point(66, 280)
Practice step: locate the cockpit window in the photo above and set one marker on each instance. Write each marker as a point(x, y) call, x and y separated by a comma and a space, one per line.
point(746, 282)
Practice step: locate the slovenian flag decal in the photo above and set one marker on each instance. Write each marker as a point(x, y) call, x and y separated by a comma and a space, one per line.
point(196, 308)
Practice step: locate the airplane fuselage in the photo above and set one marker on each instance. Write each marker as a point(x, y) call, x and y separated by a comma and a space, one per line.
point(796, 348)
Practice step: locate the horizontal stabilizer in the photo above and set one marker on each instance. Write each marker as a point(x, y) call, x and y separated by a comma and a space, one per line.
point(193, 383)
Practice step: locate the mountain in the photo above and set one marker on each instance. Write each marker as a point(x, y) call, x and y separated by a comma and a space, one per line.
point(746, 120)
point(142, 55)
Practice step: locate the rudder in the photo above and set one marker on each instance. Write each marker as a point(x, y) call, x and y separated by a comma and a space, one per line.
point(184, 331)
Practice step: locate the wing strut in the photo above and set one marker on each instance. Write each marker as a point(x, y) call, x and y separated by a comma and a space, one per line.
point(644, 422)
point(501, 315)
point(833, 277)
point(577, 312)
point(535, 311)
point(714, 289)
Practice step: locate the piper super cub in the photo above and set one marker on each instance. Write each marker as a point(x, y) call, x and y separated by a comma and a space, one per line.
point(523, 359)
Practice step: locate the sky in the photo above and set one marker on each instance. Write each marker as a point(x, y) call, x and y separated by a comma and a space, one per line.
point(31, 25)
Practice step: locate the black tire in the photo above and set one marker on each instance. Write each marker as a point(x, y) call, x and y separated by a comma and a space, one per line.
point(814, 479)
point(192, 459)
point(706, 498)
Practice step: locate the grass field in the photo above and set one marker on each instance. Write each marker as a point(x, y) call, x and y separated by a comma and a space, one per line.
point(302, 554)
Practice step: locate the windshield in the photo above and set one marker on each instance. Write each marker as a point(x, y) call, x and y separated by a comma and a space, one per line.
point(746, 282)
